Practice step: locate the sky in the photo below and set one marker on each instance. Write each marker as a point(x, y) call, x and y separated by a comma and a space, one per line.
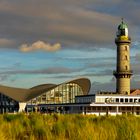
point(54, 41)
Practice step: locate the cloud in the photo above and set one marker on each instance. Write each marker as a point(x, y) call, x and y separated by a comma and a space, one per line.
point(110, 86)
point(40, 45)
point(6, 42)
point(73, 22)
point(137, 57)
point(51, 70)
point(3, 77)
point(97, 87)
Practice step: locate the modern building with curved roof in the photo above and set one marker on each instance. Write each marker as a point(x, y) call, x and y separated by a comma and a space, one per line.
point(14, 99)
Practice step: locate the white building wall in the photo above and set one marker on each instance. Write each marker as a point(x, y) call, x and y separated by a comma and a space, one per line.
point(112, 98)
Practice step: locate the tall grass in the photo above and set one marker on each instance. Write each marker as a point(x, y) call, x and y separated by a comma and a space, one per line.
point(68, 127)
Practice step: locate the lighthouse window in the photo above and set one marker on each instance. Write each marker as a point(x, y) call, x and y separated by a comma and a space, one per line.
point(126, 57)
point(123, 32)
point(126, 48)
point(126, 67)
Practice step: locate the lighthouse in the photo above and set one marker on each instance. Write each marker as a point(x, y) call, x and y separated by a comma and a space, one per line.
point(123, 70)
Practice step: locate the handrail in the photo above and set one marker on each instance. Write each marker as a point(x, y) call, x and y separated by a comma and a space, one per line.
point(121, 72)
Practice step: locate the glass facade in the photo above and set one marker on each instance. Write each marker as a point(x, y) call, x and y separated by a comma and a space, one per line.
point(7, 104)
point(64, 93)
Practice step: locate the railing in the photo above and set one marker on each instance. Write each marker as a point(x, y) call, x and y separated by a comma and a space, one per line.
point(106, 93)
point(123, 39)
point(123, 72)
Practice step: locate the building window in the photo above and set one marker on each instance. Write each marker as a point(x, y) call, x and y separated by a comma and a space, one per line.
point(98, 108)
point(135, 100)
point(103, 108)
point(126, 100)
point(130, 100)
point(117, 99)
point(128, 108)
point(137, 108)
point(121, 100)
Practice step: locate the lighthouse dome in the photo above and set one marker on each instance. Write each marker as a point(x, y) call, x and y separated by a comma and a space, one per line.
point(122, 26)
point(122, 29)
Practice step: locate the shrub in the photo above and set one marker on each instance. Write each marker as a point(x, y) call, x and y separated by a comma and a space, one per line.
point(68, 127)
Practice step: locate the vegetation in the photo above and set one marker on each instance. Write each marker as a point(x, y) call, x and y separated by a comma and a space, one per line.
point(68, 127)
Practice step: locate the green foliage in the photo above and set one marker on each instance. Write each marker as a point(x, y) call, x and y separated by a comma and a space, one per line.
point(68, 127)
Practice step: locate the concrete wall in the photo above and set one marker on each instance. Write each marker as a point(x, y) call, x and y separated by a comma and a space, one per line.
point(22, 106)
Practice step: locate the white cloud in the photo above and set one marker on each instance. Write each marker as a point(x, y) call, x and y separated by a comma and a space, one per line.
point(40, 45)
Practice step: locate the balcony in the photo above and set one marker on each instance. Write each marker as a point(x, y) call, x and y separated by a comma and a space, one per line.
point(123, 72)
point(123, 39)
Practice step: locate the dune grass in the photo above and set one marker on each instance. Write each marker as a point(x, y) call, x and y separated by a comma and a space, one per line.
point(68, 127)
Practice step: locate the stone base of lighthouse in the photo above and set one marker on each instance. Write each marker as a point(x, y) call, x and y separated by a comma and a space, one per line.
point(123, 85)
point(123, 82)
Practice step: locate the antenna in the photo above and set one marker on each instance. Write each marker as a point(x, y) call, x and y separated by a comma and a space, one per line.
point(122, 20)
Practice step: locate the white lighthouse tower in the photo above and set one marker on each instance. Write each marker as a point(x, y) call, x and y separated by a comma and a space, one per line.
point(123, 71)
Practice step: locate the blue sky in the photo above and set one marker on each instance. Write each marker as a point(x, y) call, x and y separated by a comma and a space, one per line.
point(53, 41)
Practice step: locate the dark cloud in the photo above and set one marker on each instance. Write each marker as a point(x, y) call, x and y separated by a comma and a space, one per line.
point(102, 65)
point(137, 57)
point(98, 87)
point(51, 70)
point(111, 86)
point(4, 77)
point(136, 69)
point(135, 65)
point(73, 22)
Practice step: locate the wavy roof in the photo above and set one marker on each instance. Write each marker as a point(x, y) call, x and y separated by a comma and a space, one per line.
point(24, 95)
